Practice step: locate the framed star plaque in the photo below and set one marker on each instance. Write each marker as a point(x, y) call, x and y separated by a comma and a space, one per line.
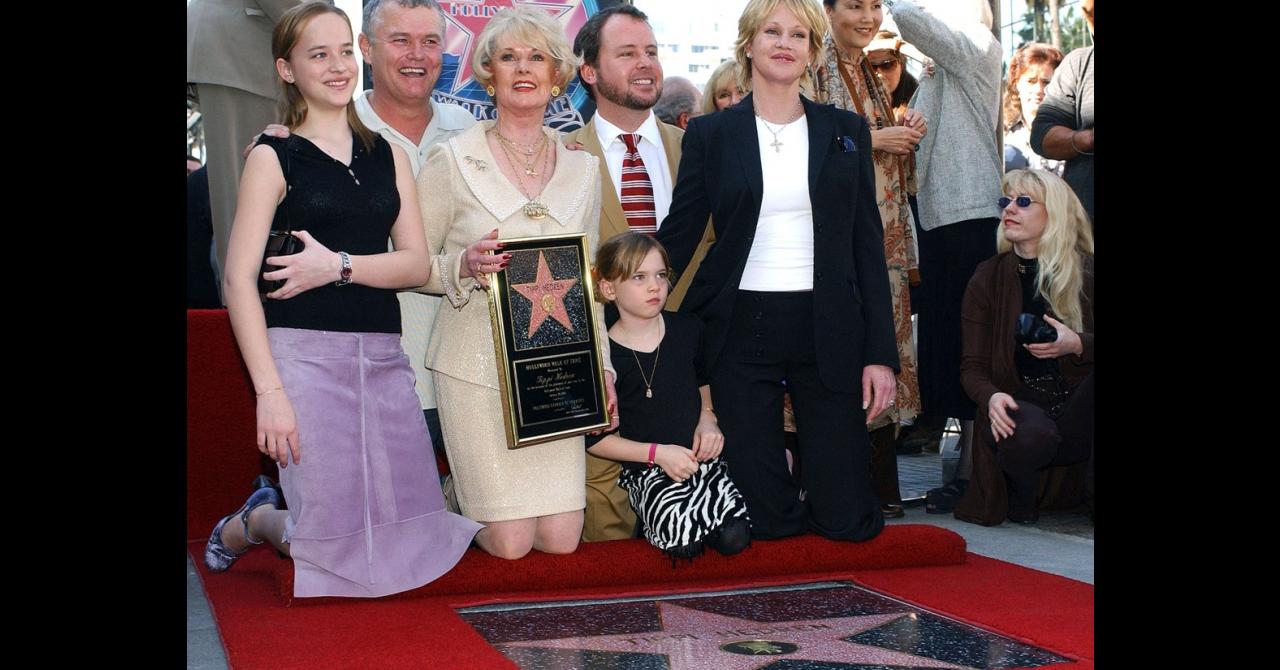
point(545, 338)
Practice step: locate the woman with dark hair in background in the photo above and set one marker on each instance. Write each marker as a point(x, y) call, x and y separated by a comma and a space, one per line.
point(848, 79)
point(886, 55)
point(1030, 72)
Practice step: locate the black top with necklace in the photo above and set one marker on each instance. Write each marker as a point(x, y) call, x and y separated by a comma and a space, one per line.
point(672, 372)
point(346, 208)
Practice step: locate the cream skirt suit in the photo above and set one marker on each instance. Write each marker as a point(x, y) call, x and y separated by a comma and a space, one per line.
point(463, 196)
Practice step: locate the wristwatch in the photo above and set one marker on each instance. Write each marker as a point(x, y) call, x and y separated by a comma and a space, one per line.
point(346, 270)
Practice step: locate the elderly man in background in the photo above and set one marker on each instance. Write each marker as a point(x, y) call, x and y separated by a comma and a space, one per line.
point(229, 62)
point(680, 101)
point(621, 71)
point(959, 169)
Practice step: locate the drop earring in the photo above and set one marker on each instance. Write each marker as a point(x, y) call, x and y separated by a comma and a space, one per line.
point(555, 91)
point(490, 90)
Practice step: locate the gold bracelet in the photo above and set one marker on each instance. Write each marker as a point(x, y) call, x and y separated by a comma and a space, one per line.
point(278, 388)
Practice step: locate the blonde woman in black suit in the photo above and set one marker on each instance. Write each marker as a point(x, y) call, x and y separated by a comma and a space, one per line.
point(794, 293)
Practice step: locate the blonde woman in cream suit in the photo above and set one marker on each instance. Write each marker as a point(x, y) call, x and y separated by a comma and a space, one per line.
point(529, 498)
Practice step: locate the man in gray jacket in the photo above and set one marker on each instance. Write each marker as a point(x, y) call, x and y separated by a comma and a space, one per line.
point(959, 168)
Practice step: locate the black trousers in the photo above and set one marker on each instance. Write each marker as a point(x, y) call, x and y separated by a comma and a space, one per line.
point(771, 343)
point(948, 257)
point(1040, 441)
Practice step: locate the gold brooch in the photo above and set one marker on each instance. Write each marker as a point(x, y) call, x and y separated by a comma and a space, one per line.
point(479, 164)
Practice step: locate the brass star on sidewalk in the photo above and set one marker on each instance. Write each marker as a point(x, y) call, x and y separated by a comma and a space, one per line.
point(547, 296)
point(696, 640)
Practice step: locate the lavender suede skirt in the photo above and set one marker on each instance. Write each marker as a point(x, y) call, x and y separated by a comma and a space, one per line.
point(366, 516)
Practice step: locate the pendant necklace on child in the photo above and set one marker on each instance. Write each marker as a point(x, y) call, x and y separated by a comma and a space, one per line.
point(648, 380)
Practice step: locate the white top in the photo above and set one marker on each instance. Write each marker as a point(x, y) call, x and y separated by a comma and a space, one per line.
point(418, 311)
point(651, 152)
point(781, 257)
point(446, 121)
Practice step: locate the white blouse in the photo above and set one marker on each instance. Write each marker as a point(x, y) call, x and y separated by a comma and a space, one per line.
point(781, 257)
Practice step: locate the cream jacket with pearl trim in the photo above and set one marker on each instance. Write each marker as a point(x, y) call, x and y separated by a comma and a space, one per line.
point(463, 196)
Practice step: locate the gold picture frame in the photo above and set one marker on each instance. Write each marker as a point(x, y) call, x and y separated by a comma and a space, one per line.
point(550, 371)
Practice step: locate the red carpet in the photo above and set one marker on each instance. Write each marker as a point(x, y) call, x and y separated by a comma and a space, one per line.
point(633, 564)
point(419, 629)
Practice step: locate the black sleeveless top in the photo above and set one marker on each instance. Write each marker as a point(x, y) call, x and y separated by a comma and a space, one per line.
point(345, 210)
point(675, 371)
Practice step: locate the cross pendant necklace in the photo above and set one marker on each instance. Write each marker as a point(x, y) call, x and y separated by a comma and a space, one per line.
point(777, 143)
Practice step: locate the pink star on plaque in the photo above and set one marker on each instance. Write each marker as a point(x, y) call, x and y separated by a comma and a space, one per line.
point(469, 17)
point(696, 640)
point(547, 295)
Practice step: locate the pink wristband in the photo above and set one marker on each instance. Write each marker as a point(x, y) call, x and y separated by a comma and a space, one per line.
point(653, 449)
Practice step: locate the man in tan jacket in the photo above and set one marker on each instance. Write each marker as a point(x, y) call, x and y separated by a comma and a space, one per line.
point(622, 73)
point(229, 61)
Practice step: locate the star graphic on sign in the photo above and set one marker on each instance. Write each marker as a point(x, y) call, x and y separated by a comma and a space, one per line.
point(695, 640)
point(547, 295)
point(469, 17)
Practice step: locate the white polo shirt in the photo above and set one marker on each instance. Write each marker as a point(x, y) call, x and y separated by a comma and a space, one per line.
point(446, 121)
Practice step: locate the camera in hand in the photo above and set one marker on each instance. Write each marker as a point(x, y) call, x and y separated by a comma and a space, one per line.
point(279, 243)
point(1033, 329)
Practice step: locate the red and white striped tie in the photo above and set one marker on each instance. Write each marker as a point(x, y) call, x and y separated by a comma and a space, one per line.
point(637, 190)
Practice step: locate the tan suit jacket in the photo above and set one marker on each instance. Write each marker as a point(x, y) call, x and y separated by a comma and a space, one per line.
point(613, 221)
point(229, 43)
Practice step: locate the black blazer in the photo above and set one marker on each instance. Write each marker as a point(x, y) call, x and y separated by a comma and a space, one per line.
point(720, 176)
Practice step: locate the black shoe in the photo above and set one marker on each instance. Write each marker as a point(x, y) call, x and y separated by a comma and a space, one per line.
point(265, 482)
point(944, 499)
point(892, 511)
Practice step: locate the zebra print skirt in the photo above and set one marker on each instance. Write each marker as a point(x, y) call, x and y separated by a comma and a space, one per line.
point(674, 513)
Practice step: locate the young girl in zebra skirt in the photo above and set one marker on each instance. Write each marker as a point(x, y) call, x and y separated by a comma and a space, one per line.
point(682, 494)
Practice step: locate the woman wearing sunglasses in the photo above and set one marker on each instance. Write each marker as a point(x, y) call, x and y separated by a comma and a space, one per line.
point(1028, 356)
point(847, 79)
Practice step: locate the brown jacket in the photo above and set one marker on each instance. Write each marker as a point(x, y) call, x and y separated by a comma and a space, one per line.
point(613, 221)
point(992, 303)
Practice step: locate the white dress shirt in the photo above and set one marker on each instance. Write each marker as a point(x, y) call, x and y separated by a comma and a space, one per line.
point(651, 152)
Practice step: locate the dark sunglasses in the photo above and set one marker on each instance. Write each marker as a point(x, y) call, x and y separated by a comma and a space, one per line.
point(1022, 200)
point(885, 66)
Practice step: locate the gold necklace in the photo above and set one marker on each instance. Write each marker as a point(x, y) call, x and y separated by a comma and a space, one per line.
point(527, 150)
point(648, 381)
point(532, 209)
